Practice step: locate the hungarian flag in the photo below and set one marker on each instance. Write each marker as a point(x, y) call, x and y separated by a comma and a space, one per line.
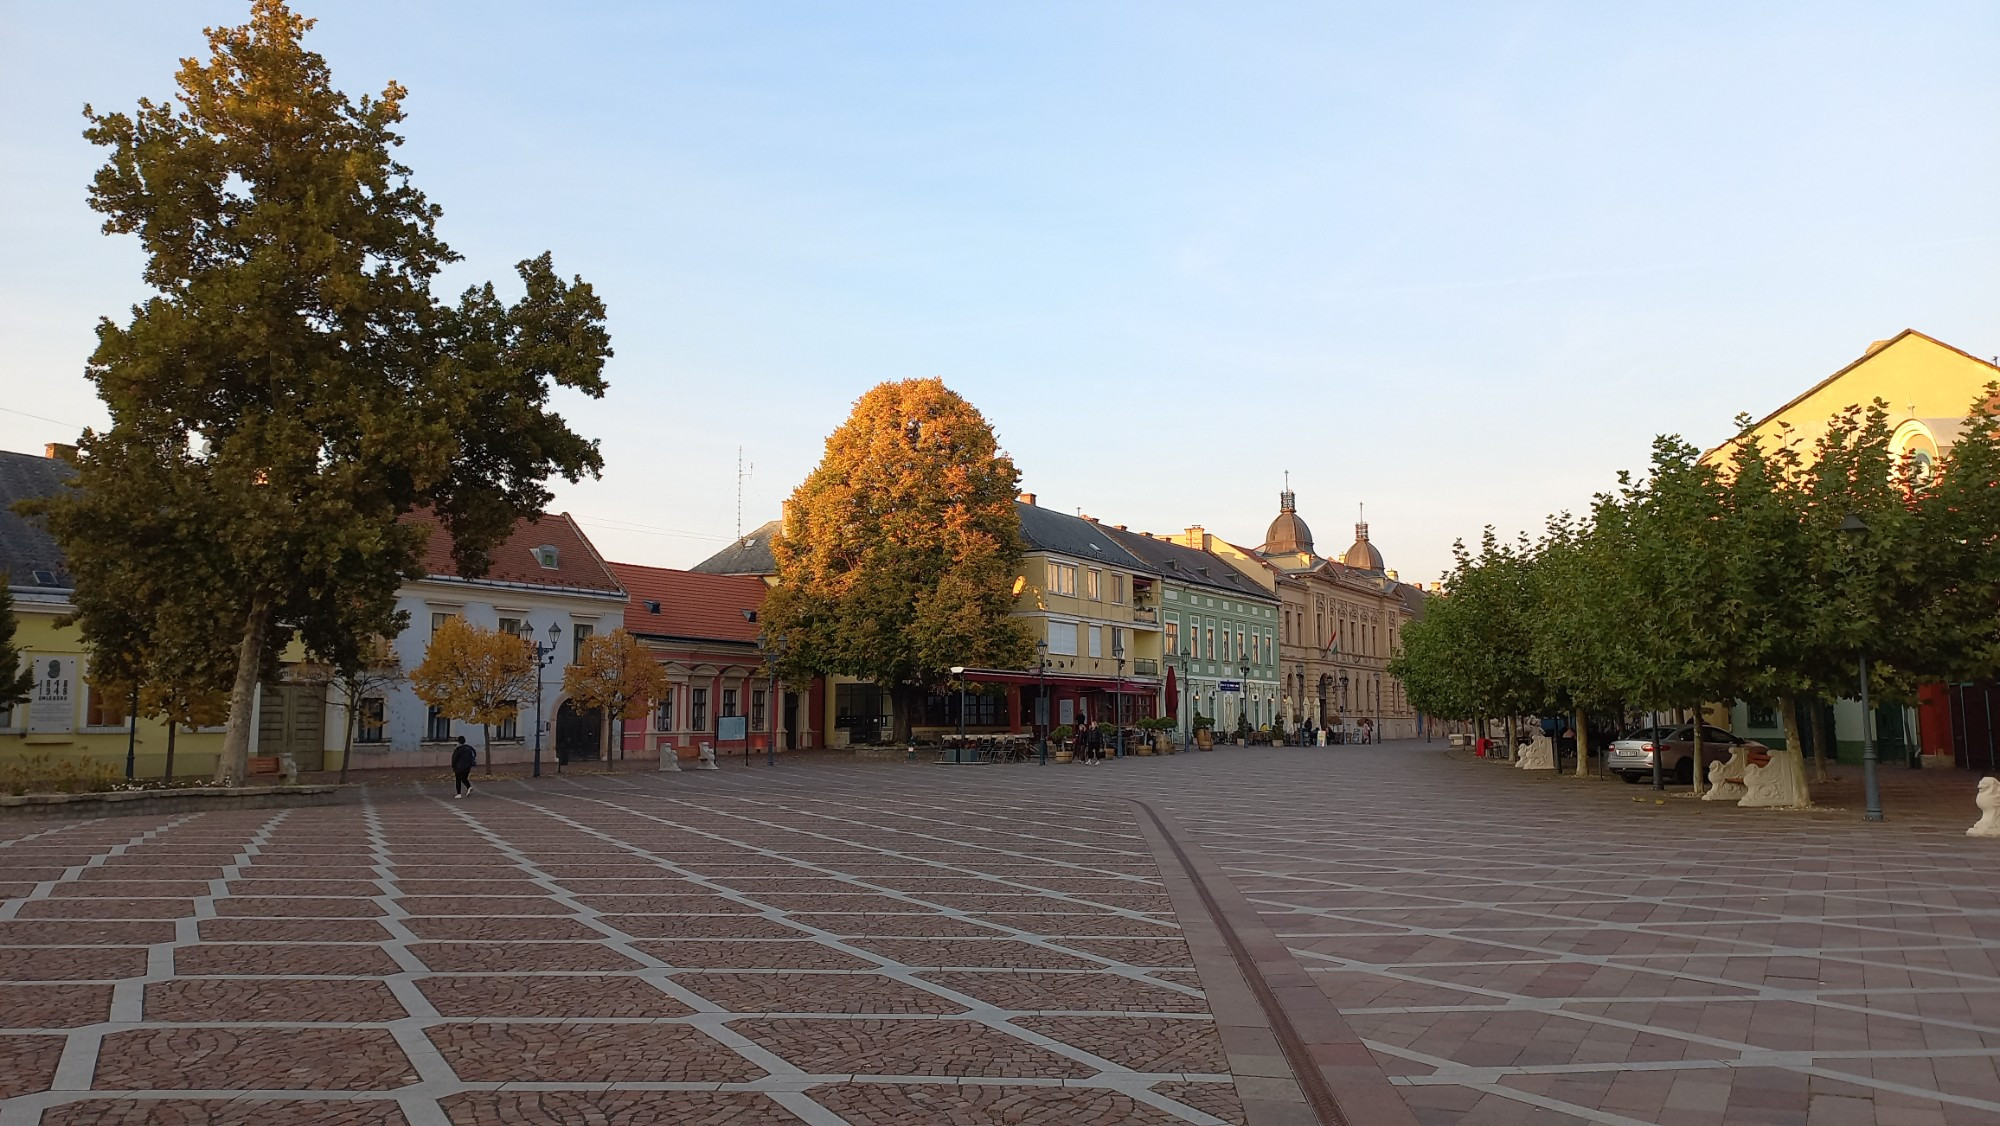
point(1334, 645)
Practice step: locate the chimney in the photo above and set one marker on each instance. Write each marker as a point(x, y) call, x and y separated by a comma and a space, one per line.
point(1391, 575)
point(1086, 517)
point(1027, 498)
point(1120, 527)
point(60, 451)
point(1196, 536)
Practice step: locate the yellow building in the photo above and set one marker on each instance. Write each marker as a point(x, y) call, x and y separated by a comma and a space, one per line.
point(65, 718)
point(1929, 387)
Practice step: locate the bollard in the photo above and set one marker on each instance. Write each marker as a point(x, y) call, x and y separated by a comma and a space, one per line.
point(707, 758)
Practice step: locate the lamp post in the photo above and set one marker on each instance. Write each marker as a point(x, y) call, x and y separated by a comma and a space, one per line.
point(544, 655)
point(1857, 532)
point(773, 653)
point(1118, 703)
point(1187, 706)
point(1243, 697)
point(959, 672)
point(1343, 706)
point(1042, 696)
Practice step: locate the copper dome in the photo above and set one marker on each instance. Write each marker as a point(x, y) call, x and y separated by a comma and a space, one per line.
point(1287, 534)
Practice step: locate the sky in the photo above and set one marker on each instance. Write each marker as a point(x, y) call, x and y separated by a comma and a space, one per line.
point(1458, 263)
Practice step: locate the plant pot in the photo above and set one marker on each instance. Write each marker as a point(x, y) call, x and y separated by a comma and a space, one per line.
point(1064, 756)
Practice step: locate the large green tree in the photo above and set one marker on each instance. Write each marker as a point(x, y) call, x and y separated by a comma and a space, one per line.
point(17, 679)
point(901, 548)
point(292, 387)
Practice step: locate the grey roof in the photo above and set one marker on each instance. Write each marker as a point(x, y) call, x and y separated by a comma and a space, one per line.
point(25, 546)
point(1414, 599)
point(1046, 530)
point(750, 555)
point(1189, 565)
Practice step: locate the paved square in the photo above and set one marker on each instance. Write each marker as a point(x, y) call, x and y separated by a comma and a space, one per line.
point(830, 942)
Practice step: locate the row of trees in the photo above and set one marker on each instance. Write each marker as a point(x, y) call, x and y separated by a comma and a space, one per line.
point(1760, 575)
point(292, 388)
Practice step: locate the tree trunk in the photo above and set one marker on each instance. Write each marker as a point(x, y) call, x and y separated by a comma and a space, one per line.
point(1788, 715)
point(1823, 734)
point(1510, 740)
point(899, 722)
point(171, 725)
point(1582, 744)
point(486, 745)
point(1698, 775)
point(235, 759)
point(347, 741)
point(604, 737)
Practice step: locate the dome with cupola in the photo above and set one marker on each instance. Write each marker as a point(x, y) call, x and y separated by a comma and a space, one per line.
point(1362, 556)
point(1287, 535)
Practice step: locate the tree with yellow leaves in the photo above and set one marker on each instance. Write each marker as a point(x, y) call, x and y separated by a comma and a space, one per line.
point(475, 675)
point(616, 675)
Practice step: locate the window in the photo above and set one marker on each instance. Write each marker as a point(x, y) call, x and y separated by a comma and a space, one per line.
point(509, 728)
point(1118, 588)
point(1173, 637)
point(1096, 642)
point(510, 626)
point(757, 709)
point(548, 557)
point(1763, 716)
point(1211, 643)
point(698, 709)
point(437, 729)
point(437, 619)
point(1062, 579)
point(1093, 585)
point(104, 709)
point(663, 712)
point(1062, 638)
point(728, 702)
point(1117, 641)
point(1241, 650)
point(580, 634)
point(372, 723)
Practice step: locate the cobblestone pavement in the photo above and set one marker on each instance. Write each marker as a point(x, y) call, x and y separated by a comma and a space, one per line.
point(890, 943)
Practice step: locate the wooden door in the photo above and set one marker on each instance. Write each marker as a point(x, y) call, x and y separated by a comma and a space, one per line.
point(292, 720)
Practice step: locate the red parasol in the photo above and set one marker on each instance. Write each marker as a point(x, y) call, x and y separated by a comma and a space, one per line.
point(1173, 696)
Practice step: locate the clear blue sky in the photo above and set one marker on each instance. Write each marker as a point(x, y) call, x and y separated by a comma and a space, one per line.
point(1457, 262)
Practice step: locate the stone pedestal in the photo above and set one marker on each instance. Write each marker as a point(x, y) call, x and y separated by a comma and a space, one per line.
point(1989, 809)
point(707, 760)
point(1780, 783)
point(1540, 754)
point(670, 758)
point(1725, 777)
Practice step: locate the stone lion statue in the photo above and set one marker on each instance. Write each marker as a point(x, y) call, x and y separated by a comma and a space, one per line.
point(1989, 809)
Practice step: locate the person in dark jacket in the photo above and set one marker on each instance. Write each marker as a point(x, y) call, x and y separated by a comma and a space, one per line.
point(463, 759)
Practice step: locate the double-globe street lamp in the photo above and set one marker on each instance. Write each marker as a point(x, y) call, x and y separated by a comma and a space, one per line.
point(1042, 695)
point(544, 656)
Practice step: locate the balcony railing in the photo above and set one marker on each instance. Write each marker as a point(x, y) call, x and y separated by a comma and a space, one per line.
point(1145, 614)
point(1145, 666)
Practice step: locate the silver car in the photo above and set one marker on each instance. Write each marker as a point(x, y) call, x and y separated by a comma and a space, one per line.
point(1631, 757)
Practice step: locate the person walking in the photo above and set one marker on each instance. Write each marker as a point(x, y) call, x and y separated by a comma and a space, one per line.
point(463, 759)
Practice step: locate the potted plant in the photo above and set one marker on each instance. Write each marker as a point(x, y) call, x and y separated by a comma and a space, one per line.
point(1204, 732)
point(1143, 744)
point(1160, 726)
point(1061, 737)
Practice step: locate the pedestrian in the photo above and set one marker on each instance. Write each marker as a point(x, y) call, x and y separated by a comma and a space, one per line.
point(463, 759)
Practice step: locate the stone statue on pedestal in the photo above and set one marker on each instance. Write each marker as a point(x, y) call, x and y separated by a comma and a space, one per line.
point(1725, 776)
point(1989, 809)
point(1779, 783)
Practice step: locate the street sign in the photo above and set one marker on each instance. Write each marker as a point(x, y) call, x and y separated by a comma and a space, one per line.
point(1230, 686)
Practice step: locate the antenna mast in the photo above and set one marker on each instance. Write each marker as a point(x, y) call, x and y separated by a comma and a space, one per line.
point(743, 471)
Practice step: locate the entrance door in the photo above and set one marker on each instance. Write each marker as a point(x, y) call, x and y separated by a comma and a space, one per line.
point(579, 733)
point(1975, 725)
point(291, 720)
point(791, 721)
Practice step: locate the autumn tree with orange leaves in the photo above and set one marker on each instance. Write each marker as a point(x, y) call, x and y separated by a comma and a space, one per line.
point(616, 675)
point(475, 675)
point(901, 548)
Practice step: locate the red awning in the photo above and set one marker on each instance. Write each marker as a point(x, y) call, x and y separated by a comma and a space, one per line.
point(1173, 695)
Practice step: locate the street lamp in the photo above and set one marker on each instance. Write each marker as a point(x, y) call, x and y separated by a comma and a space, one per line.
point(1042, 695)
point(959, 672)
point(773, 653)
point(1243, 695)
point(1118, 703)
point(544, 655)
point(1187, 705)
point(1857, 532)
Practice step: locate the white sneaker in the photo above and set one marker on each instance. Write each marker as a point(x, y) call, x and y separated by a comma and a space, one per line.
point(458, 793)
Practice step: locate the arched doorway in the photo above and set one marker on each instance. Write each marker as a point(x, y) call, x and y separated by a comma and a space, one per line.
point(579, 732)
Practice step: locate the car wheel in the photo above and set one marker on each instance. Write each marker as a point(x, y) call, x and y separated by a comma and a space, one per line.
point(1684, 773)
point(1629, 777)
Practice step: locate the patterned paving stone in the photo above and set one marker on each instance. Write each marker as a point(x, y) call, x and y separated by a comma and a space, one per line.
point(590, 995)
point(1089, 992)
point(509, 957)
point(21, 964)
point(585, 1053)
point(1140, 1043)
point(330, 1059)
point(616, 1108)
point(292, 960)
point(53, 1006)
point(82, 932)
point(245, 1111)
point(876, 1104)
point(816, 993)
point(28, 1063)
point(291, 930)
point(907, 1047)
point(761, 954)
point(701, 926)
point(195, 1000)
point(983, 952)
point(1218, 1099)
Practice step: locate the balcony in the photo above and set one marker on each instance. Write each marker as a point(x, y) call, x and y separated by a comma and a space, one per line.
point(1145, 666)
point(1145, 614)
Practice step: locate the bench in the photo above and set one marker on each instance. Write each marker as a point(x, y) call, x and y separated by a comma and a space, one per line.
point(262, 764)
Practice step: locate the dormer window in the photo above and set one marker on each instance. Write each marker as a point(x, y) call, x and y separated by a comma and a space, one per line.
point(547, 556)
point(652, 607)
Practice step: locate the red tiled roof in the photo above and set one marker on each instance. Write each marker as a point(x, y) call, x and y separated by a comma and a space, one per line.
point(515, 559)
point(692, 604)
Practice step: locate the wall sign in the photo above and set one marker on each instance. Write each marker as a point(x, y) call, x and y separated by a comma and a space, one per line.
point(52, 708)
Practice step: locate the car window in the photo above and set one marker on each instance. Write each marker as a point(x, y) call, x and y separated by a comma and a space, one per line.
point(1717, 735)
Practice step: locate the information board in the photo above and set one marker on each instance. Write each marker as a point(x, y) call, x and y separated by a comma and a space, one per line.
point(732, 728)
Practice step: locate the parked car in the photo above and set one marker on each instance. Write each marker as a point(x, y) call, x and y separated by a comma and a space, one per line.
point(1631, 757)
